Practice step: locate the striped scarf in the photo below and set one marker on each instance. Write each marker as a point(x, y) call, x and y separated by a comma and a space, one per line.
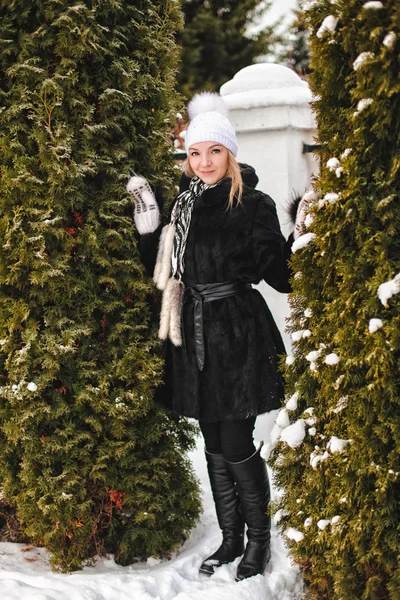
point(170, 262)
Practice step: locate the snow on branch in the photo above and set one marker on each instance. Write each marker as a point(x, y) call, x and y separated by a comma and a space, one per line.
point(390, 40)
point(283, 418)
point(309, 4)
point(302, 333)
point(364, 103)
point(328, 24)
point(294, 434)
point(294, 534)
point(362, 58)
point(333, 163)
point(313, 356)
point(302, 241)
point(316, 458)
point(331, 197)
point(374, 325)
point(336, 445)
point(341, 404)
point(373, 5)
point(323, 523)
point(388, 289)
point(332, 359)
point(291, 404)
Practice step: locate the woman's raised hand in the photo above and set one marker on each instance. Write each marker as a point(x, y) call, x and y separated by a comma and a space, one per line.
point(146, 212)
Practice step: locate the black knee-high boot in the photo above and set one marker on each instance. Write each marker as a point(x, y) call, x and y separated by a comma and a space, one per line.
point(229, 516)
point(252, 486)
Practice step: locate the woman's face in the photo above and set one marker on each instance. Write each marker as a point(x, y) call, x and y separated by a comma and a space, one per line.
point(209, 161)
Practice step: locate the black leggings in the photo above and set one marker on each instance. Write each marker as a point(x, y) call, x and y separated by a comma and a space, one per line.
point(233, 439)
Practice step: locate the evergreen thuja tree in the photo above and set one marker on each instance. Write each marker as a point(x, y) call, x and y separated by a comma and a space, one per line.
point(337, 452)
point(88, 462)
point(216, 41)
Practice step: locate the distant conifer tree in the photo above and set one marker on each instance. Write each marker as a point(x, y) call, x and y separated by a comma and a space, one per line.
point(295, 53)
point(87, 460)
point(216, 42)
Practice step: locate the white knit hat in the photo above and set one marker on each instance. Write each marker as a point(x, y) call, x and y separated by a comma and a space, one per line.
point(209, 122)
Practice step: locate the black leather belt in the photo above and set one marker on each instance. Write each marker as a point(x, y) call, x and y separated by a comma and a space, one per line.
point(208, 292)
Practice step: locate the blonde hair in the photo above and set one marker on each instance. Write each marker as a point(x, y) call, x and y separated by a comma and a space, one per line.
point(233, 173)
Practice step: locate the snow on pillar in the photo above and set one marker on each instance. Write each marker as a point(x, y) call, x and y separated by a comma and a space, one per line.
point(269, 107)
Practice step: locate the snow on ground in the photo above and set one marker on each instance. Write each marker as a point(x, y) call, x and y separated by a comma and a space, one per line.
point(22, 578)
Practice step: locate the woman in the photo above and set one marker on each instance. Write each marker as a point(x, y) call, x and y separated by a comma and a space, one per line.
point(222, 342)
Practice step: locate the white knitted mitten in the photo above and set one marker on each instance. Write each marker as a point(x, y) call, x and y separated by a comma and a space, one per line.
point(146, 211)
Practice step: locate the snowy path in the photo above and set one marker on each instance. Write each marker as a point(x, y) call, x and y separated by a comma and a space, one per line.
point(176, 579)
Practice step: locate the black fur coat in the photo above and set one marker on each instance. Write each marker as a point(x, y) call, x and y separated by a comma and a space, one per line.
point(240, 378)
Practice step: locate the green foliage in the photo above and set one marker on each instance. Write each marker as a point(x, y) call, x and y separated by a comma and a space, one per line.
point(216, 42)
point(88, 462)
point(353, 485)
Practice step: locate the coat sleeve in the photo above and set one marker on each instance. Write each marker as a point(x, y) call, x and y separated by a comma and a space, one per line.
point(148, 243)
point(271, 251)
point(148, 247)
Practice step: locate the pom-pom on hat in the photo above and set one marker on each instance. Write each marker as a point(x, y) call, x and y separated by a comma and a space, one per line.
point(209, 122)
